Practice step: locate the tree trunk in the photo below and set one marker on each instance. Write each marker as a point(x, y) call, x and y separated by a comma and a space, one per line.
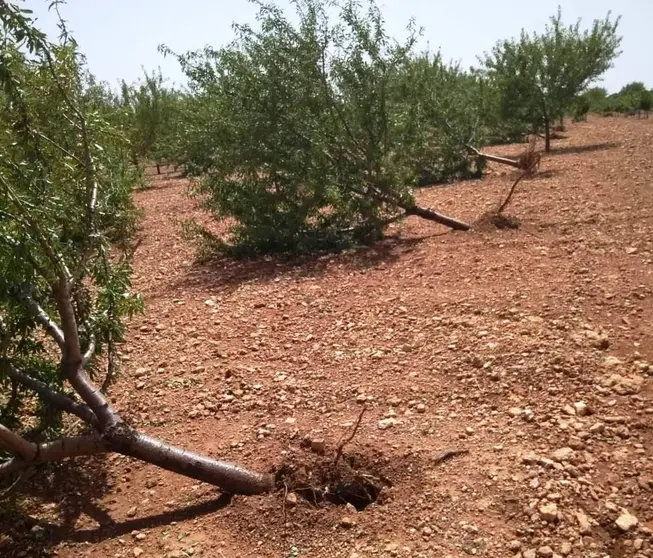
point(63, 448)
point(115, 435)
point(494, 158)
point(229, 477)
point(158, 168)
point(547, 135)
point(437, 217)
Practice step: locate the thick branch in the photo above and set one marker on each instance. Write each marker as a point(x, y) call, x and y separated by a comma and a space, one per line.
point(52, 397)
point(494, 158)
point(431, 215)
point(73, 367)
point(63, 448)
point(227, 476)
point(17, 444)
point(92, 396)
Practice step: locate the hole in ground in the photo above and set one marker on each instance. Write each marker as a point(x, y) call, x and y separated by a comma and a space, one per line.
point(492, 220)
point(319, 482)
point(358, 493)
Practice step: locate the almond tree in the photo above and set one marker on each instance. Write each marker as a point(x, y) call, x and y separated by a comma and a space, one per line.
point(541, 75)
point(66, 217)
point(313, 135)
point(151, 116)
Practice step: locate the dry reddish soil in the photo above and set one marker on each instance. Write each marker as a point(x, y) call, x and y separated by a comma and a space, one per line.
point(529, 348)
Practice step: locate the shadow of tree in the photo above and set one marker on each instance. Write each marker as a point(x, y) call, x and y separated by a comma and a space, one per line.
point(67, 489)
point(578, 149)
point(59, 533)
point(224, 274)
point(46, 510)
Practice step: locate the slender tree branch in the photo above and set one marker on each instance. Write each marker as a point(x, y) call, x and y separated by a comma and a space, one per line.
point(15, 485)
point(55, 399)
point(90, 351)
point(42, 317)
point(512, 191)
point(60, 266)
point(58, 146)
point(342, 445)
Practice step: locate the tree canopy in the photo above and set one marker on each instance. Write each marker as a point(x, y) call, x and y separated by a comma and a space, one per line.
point(313, 135)
point(66, 219)
point(539, 76)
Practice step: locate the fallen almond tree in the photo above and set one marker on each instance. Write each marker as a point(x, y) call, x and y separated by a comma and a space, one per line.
point(528, 161)
point(66, 219)
point(312, 135)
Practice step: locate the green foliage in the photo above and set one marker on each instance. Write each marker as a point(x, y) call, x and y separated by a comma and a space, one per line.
point(65, 207)
point(631, 98)
point(151, 116)
point(312, 136)
point(540, 76)
point(581, 107)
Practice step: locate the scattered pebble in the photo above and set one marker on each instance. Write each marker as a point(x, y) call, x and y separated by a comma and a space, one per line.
point(386, 423)
point(549, 512)
point(626, 521)
point(347, 522)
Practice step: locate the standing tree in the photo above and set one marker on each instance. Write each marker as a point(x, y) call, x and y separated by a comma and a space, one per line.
point(66, 215)
point(151, 114)
point(540, 76)
point(645, 102)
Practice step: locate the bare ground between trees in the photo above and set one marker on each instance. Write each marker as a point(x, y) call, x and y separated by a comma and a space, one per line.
point(479, 340)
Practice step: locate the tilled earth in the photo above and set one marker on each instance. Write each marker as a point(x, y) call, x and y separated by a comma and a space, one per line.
point(528, 348)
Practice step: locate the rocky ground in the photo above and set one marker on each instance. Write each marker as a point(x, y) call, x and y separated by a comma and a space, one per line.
point(527, 348)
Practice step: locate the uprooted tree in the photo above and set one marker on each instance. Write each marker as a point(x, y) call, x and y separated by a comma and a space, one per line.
point(540, 76)
point(65, 217)
point(313, 135)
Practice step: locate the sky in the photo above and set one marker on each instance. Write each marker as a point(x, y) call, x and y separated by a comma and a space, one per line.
point(120, 37)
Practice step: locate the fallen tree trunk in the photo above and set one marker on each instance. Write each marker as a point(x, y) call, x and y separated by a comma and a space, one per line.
point(431, 215)
point(494, 158)
point(112, 434)
point(428, 214)
point(528, 161)
point(63, 448)
point(120, 438)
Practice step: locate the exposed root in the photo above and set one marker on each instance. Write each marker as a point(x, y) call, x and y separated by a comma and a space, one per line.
point(493, 220)
point(529, 160)
point(321, 481)
point(449, 454)
point(349, 439)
